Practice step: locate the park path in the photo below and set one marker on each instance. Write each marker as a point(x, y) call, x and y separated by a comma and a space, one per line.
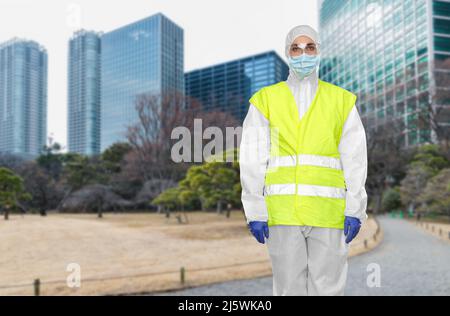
point(411, 262)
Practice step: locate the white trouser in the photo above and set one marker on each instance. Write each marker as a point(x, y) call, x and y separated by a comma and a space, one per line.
point(307, 260)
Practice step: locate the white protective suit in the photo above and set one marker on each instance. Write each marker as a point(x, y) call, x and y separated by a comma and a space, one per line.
point(305, 260)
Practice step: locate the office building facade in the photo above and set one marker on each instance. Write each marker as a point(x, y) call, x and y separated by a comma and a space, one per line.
point(23, 98)
point(228, 86)
point(84, 84)
point(393, 56)
point(145, 57)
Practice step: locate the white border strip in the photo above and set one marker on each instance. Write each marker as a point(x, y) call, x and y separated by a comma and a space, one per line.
point(310, 160)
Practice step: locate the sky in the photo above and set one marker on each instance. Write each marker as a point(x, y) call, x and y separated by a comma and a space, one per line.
point(214, 32)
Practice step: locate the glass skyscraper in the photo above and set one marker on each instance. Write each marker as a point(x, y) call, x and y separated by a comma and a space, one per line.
point(83, 134)
point(23, 97)
point(145, 57)
point(228, 86)
point(392, 55)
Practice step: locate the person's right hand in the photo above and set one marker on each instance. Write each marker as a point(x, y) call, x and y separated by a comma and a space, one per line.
point(259, 230)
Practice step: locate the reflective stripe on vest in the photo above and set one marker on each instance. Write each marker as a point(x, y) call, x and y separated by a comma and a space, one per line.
point(311, 160)
point(305, 190)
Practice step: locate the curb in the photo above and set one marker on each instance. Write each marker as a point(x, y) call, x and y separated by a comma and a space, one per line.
point(369, 243)
point(438, 230)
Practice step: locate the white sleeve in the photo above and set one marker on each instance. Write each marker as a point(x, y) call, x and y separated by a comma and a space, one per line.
point(353, 151)
point(254, 151)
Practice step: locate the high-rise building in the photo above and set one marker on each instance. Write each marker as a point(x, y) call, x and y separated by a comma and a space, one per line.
point(83, 116)
point(227, 87)
point(394, 55)
point(145, 57)
point(23, 97)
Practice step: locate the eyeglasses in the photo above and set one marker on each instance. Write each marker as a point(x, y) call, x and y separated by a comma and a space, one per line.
point(310, 49)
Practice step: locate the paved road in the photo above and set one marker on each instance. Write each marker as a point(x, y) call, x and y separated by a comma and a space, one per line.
point(411, 262)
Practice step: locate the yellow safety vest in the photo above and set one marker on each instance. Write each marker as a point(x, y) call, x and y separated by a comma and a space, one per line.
point(304, 180)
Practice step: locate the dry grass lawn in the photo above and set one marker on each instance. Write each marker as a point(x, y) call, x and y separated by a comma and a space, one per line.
point(128, 253)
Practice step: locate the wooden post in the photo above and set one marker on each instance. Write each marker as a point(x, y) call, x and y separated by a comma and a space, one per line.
point(365, 243)
point(37, 285)
point(6, 212)
point(182, 275)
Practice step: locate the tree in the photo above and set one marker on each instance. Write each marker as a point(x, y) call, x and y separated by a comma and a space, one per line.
point(438, 108)
point(80, 171)
point(94, 198)
point(391, 199)
point(188, 197)
point(214, 184)
point(425, 164)
point(170, 201)
point(11, 190)
point(197, 185)
point(222, 181)
point(83, 170)
point(52, 160)
point(386, 159)
point(42, 187)
point(113, 156)
point(412, 185)
point(436, 195)
point(432, 156)
point(150, 136)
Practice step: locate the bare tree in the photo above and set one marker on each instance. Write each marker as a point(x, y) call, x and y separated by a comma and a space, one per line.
point(436, 112)
point(41, 186)
point(386, 158)
point(150, 137)
point(150, 158)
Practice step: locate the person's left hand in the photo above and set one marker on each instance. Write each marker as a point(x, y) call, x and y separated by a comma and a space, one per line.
point(352, 226)
point(259, 230)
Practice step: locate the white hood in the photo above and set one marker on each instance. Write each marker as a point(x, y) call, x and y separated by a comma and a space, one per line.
point(295, 32)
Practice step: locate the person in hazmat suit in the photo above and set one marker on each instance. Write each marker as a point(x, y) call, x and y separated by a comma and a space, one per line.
point(303, 164)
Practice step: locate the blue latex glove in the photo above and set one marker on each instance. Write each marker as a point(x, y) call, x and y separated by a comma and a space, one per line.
point(351, 228)
point(259, 230)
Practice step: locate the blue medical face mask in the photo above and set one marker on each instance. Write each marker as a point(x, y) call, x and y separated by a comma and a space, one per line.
point(304, 65)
